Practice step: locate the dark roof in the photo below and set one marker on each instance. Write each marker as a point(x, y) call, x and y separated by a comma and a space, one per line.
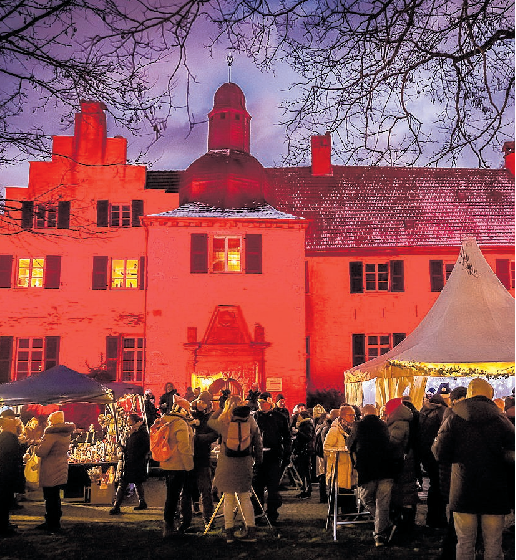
point(360, 207)
point(165, 180)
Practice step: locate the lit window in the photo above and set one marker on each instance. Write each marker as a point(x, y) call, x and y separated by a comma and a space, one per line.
point(29, 356)
point(124, 273)
point(377, 345)
point(45, 216)
point(120, 215)
point(132, 359)
point(30, 273)
point(227, 254)
point(377, 277)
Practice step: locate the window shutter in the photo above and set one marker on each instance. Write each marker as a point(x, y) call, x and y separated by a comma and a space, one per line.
point(51, 351)
point(136, 212)
point(356, 277)
point(199, 253)
point(436, 276)
point(397, 337)
point(503, 271)
point(52, 272)
point(359, 355)
point(6, 355)
point(307, 279)
point(112, 356)
point(102, 213)
point(63, 214)
point(396, 270)
point(141, 274)
point(99, 275)
point(6, 270)
point(27, 214)
point(253, 253)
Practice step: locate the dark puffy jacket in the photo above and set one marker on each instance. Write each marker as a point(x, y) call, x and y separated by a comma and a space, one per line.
point(430, 420)
point(136, 453)
point(204, 436)
point(275, 432)
point(474, 439)
point(304, 440)
point(371, 449)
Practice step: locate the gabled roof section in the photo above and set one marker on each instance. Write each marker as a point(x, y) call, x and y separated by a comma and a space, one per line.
point(360, 207)
point(199, 210)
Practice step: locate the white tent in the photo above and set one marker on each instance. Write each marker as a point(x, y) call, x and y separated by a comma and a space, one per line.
point(468, 331)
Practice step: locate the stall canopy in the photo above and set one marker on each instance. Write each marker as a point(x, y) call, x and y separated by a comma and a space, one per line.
point(58, 384)
point(468, 331)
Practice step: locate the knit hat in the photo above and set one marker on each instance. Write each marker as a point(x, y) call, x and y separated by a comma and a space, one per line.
point(56, 418)
point(392, 405)
point(279, 396)
point(458, 393)
point(318, 411)
point(265, 396)
point(242, 411)
point(480, 388)
point(8, 413)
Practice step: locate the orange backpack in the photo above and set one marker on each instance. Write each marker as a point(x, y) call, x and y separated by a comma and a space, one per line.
point(159, 446)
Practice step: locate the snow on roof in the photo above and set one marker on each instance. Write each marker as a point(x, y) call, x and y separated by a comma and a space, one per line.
point(198, 210)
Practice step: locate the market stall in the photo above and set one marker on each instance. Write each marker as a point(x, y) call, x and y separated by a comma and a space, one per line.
point(469, 331)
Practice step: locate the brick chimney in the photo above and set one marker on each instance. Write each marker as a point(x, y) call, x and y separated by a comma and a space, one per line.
point(508, 150)
point(321, 155)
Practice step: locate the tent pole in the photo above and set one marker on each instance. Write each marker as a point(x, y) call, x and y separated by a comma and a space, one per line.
point(116, 423)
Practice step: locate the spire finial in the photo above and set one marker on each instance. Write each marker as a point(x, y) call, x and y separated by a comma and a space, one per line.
point(229, 59)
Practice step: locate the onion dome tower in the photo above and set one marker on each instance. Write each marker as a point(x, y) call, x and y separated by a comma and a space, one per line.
point(227, 176)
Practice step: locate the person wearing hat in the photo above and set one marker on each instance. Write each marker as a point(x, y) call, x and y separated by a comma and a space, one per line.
point(404, 495)
point(53, 469)
point(476, 440)
point(430, 419)
point(199, 483)
point(11, 469)
point(281, 406)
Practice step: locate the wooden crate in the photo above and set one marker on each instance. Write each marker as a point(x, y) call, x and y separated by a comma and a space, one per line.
point(99, 495)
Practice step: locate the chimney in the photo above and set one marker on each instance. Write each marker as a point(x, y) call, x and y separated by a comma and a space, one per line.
point(508, 150)
point(321, 155)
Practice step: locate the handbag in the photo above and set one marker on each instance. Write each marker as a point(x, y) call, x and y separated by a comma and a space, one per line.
point(31, 471)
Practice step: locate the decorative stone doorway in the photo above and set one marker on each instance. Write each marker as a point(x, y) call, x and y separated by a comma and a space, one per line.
point(227, 352)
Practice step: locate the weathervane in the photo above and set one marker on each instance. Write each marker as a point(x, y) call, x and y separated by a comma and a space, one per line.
point(229, 59)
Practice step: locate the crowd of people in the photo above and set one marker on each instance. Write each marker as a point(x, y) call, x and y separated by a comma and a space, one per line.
point(462, 441)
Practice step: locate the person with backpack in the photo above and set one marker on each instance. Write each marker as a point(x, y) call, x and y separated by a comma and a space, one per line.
point(241, 446)
point(172, 444)
point(303, 451)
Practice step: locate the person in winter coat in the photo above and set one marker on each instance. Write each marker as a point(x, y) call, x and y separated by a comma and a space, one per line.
point(11, 469)
point(252, 397)
point(476, 439)
point(234, 475)
point(371, 453)
point(135, 457)
point(303, 449)
point(336, 442)
point(199, 480)
point(53, 468)
point(404, 496)
point(166, 401)
point(430, 420)
point(275, 432)
point(180, 443)
point(151, 412)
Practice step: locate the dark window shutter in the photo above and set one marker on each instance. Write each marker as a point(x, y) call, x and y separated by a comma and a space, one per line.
point(112, 356)
point(307, 279)
point(141, 274)
point(397, 337)
point(396, 270)
point(99, 275)
point(6, 355)
point(136, 212)
point(102, 213)
point(253, 253)
point(436, 276)
point(51, 351)
point(356, 277)
point(199, 253)
point(63, 214)
point(52, 272)
point(27, 214)
point(503, 271)
point(359, 354)
point(6, 270)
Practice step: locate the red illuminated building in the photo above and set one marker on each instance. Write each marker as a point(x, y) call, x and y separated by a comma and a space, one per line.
point(228, 272)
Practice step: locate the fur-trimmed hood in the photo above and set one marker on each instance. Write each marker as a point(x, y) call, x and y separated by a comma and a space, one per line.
point(63, 428)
